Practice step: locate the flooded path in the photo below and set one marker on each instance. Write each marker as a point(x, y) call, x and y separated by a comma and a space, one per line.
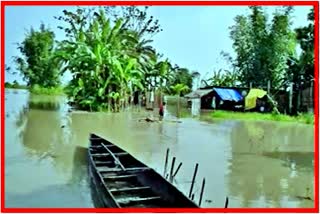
point(255, 164)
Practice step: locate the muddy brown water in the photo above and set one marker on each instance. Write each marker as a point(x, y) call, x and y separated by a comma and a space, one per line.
point(255, 164)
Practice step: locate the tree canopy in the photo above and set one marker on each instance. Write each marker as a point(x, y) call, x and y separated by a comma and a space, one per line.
point(37, 64)
point(263, 49)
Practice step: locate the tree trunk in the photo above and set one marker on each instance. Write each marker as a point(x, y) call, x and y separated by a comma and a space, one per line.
point(178, 106)
point(122, 99)
point(160, 92)
point(299, 101)
point(109, 99)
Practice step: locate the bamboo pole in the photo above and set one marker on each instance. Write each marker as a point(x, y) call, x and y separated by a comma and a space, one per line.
point(177, 170)
point(202, 190)
point(192, 197)
point(226, 203)
point(171, 170)
point(193, 179)
point(166, 162)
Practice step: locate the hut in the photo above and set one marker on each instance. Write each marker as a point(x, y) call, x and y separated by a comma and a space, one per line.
point(218, 98)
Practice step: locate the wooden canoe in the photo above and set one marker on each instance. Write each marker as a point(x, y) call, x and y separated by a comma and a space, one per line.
point(118, 180)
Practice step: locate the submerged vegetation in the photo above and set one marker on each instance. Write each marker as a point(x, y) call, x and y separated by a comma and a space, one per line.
point(36, 89)
point(47, 91)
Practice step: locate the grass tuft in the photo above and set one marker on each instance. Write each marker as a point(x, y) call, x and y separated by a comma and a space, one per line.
point(47, 91)
point(307, 118)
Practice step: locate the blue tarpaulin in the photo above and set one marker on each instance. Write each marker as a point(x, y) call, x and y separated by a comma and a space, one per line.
point(228, 94)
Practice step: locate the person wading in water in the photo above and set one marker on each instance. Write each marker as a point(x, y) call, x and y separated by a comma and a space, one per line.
point(161, 110)
point(161, 113)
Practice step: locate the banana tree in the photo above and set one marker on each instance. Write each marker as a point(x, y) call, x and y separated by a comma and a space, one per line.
point(105, 60)
point(88, 57)
point(163, 70)
point(114, 96)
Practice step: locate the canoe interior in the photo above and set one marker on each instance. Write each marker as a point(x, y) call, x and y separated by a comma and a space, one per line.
point(120, 180)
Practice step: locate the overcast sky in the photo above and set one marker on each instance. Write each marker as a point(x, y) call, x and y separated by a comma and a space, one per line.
point(192, 36)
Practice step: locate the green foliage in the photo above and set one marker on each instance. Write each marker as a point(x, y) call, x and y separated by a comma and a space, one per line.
point(301, 70)
point(37, 65)
point(179, 88)
point(302, 118)
point(223, 78)
point(179, 76)
point(308, 118)
point(108, 58)
point(262, 49)
point(36, 89)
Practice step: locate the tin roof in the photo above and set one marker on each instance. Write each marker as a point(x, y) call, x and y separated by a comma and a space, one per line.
point(223, 93)
point(198, 93)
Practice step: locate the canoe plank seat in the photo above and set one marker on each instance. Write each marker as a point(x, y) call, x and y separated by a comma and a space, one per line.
point(107, 154)
point(100, 147)
point(135, 200)
point(104, 169)
point(103, 162)
point(118, 177)
point(130, 189)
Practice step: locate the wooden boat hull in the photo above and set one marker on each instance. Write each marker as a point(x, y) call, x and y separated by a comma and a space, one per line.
point(119, 180)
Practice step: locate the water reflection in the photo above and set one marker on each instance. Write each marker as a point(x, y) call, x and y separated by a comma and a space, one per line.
point(79, 169)
point(45, 118)
point(40, 158)
point(256, 164)
point(301, 160)
point(46, 106)
point(51, 196)
point(269, 170)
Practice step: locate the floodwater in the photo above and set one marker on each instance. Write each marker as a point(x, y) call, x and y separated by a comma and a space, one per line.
point(254, 164)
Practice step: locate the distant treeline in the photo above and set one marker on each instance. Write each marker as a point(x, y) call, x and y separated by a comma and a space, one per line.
point(15, 85)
